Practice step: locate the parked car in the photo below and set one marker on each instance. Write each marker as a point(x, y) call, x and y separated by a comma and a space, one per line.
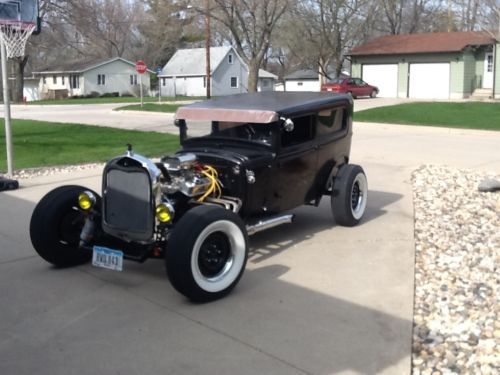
point(355, 86)
point(262, 155)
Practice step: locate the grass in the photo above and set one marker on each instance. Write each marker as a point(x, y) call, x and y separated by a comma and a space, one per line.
point(469, 115)
point(121, 99)
point(38, 143)
point(150, 107)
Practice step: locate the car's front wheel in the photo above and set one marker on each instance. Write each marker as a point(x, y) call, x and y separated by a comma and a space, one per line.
point(55, 227)
point(349, 195)
point(373, 94)
point(206, 253)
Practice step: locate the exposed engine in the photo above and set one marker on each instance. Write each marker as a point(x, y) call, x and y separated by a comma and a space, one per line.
point(190, 177)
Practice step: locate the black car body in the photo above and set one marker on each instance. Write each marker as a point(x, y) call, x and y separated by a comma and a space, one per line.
point(262, 154)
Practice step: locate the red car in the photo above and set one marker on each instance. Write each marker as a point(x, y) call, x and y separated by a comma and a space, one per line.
point(355, 86)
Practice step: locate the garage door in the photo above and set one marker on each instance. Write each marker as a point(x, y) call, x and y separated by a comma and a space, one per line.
point(384, 76)
point(430, 81)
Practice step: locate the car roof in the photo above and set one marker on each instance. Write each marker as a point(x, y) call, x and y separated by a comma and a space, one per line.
point(261, 107)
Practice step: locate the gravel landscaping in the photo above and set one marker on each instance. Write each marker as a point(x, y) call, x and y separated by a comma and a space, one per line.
point(457, 283)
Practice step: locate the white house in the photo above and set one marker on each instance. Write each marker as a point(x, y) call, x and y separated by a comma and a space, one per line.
point(98, 77)
point(302, 80)
point(185, 73)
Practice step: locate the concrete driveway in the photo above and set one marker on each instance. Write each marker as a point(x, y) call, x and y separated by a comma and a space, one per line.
point(315, 299)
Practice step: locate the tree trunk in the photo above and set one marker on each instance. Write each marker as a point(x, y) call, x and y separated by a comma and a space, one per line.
point(253, 75)
point(17, 68)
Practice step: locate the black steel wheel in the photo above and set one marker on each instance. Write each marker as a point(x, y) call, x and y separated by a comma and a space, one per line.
point(206, 253)
point(55, 227)
point(349, 195)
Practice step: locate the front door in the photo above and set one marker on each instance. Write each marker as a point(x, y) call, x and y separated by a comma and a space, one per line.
point(488, 71)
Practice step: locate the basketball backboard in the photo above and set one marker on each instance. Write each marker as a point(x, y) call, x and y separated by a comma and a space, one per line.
point(19, 13)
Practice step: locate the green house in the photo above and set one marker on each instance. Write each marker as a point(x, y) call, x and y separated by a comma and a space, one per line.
point(452, 65)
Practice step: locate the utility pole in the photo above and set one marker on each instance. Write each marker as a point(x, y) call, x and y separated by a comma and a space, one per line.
point(207, 46)
point(6, 101)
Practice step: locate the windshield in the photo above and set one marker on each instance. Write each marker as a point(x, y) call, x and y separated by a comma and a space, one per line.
point(242, 131)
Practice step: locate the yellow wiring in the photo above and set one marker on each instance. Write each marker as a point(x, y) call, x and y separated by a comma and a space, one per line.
point(215, 186)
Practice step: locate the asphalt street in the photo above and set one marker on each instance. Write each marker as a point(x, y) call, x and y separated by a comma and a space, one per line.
point(315, 299)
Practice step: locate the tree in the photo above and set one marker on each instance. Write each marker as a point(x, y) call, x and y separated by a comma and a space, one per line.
point(251, 24)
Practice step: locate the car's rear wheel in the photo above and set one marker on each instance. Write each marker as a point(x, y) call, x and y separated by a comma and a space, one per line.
point(206, 253)
point(349, 195)
point(353, 96)
point(373, 94)
point(55, 227)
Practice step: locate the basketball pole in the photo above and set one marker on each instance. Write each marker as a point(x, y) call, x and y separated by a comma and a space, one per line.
point(6, 104)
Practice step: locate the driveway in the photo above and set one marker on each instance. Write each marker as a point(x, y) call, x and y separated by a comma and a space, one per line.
point(315, 299)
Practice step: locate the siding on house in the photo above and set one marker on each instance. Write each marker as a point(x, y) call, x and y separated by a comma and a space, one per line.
point(117, 79)
point(221, 77)
point(496, 80)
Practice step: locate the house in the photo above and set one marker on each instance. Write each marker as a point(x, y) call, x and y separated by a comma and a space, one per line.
point(185, 73)
point(302, 80)
point(430, 65)
point(107, 76)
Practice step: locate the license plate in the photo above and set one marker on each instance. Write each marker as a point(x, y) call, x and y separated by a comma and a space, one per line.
point(107, 258)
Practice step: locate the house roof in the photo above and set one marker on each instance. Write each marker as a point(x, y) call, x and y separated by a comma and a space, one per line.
point(79, 66)
point(422, 43)
point(265, 74)
point(192, 62)
point(303, 74)
point(259, 107)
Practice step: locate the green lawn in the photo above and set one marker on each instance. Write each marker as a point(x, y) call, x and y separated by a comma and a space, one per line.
point(472, 115)
point(150, 107)
point(123, 99)
point(38, 143)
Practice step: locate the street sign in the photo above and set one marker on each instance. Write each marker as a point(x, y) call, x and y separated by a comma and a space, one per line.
point(141, 67)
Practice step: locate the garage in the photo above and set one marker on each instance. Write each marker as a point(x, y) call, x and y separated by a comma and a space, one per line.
point(384, 76)
point(429, 81)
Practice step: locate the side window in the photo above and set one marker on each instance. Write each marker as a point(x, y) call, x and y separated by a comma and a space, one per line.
point(301, 133)
point(230, 58)
point(329, 121)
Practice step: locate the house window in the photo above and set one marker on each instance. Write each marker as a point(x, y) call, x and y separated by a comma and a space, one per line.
point(44, 80)
point(234, 82)
point(204, 81)
point(265, 83)
point(74, 82)
point(230, 58)
point(101, 79)
point(300, 83)
point(54, 80)
point(133, 79)
point(164, 81)
point(489, 63)
point(62, 80)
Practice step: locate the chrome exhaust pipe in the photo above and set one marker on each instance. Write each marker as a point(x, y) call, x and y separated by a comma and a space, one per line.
point(268, 223)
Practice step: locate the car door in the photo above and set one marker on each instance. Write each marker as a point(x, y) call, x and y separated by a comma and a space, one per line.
point(295, 165)
point(363, 87)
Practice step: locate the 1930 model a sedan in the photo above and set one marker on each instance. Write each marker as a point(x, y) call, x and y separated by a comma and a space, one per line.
point(244, 162)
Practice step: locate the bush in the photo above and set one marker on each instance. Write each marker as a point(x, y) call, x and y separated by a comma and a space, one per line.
point(110, 95)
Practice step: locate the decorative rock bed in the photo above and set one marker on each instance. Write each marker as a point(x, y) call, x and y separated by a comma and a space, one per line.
point(457, 280)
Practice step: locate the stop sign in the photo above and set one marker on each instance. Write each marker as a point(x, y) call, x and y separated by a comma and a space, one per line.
point(140, 67)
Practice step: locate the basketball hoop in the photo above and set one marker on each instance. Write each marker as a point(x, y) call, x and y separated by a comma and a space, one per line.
point(15, 34)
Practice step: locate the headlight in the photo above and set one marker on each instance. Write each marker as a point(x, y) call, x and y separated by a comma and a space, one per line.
point(165, 212)
point(86, 200)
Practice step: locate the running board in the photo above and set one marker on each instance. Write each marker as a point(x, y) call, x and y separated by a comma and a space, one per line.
point(269, 223)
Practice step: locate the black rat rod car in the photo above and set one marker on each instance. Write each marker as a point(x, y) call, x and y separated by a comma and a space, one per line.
point(252, 158)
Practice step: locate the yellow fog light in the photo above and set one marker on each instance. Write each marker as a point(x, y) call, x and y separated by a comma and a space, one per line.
point(164, 212)
point(86, 200)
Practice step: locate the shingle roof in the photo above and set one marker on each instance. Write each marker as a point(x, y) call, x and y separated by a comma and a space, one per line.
point(422, 43)
point(78, 66)
point(265, 74)
point(191, 61)
point(303, 74)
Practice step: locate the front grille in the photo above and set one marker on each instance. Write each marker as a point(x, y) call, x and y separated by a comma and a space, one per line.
point(127, 202)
